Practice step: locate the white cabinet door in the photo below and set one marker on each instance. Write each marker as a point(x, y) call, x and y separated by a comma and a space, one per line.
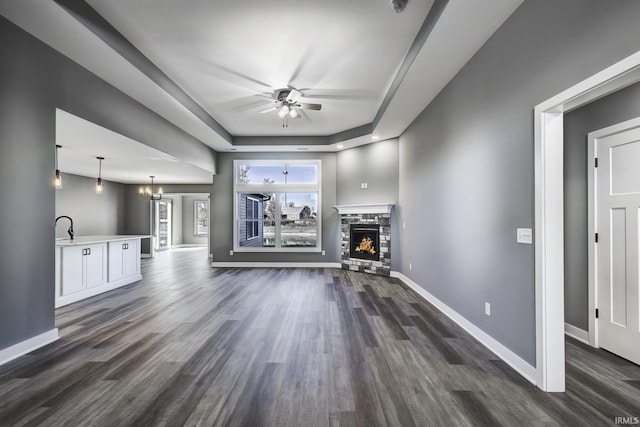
point(116, 267)
point(95, 261)
point(72, 270)
point(131, 258)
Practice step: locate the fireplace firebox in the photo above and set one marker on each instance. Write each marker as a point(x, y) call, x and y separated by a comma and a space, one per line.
point(365, 241)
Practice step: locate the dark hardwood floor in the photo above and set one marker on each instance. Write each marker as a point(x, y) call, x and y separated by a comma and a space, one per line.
point(192, 345)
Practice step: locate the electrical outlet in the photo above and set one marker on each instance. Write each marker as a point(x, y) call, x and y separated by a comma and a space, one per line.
point(524, 235)
point(487, 309)
point(323, 253)
point(410, 266)
point(364, 185)
point(231, 253)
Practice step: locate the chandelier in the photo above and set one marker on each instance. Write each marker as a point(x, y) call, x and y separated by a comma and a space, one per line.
point(149, 192)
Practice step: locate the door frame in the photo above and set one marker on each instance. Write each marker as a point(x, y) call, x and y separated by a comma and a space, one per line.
point(592, 201)
point(549, 213)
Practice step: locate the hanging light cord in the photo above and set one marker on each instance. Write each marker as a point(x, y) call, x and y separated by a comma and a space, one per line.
point(57, 168)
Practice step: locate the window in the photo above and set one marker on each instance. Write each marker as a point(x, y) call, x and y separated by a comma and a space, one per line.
point(277, 205)
point(253, 212)
point(200, 218)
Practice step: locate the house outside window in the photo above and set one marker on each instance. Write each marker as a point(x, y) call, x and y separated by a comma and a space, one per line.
point(254, 209)
point(277, 206)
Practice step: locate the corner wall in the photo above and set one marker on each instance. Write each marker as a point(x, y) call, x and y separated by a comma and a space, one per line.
point(377, 165)
point(466, 163)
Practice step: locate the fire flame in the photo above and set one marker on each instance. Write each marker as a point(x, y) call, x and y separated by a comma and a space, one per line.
point(366, 245)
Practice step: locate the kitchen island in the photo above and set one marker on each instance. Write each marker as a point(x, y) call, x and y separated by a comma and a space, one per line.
point(90, 265)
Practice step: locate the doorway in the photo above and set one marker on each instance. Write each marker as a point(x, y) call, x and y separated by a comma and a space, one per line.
point(614, 207)
point(189, 226)
point(549, 215)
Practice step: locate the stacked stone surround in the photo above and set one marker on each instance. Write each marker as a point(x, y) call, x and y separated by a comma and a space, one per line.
point(382, 266)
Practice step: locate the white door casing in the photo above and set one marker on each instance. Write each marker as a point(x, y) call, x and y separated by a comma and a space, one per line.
point(617, 214)
point(549, 219)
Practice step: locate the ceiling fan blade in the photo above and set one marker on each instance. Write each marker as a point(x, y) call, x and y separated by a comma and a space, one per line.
point(309, 106)
point(246, 103)
point(293, 96)
point(268, 110)
point(347, 94)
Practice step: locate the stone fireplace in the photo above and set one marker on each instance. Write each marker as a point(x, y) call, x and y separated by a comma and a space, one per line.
point(366, 238)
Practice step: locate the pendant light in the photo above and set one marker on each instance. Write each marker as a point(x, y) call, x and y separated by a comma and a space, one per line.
point(149, 193)
point(99, 186)
point(57, 181)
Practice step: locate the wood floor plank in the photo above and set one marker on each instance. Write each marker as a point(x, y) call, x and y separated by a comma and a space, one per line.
point(195, 345)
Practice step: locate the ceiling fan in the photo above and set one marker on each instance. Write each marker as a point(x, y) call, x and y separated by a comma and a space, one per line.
point(287, 105)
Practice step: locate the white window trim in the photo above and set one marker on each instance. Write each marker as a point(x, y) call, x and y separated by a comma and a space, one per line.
point(277, 188)
point(252, 220)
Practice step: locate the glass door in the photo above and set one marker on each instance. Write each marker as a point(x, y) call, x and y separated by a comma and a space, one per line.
point(163, 224)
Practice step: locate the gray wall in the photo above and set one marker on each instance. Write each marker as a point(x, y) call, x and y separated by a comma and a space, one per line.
point(34, 81)
point(221, 207)
point(92, 214)
point(615, 108)
point(187, 221)
point(466, 162)
point(27, 144)
point(377, 165)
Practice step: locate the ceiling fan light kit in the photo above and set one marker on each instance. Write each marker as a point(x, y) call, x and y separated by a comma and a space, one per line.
point(288, 105)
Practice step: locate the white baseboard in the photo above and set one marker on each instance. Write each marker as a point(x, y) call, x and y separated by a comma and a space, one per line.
point(277, 264)
point(509, 357)
point(190, 245)
point(577, 333)
point(27, 346)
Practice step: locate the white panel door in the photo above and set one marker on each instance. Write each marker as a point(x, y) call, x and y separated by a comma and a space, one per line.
point(618, 210)
point(95, 262)
point(116, 267)
point(131, 258)
point(72, 270)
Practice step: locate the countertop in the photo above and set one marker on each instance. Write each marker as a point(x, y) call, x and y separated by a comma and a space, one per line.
point(87, 240)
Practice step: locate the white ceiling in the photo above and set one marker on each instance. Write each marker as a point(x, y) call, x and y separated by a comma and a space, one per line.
point(225, 54)
point(125, 160)
point(229, 56)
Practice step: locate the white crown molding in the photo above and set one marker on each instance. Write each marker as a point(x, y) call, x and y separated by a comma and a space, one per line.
point(373, 208)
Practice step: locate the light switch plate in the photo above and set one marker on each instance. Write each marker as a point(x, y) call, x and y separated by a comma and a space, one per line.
point(524, 235)
point(487, 309)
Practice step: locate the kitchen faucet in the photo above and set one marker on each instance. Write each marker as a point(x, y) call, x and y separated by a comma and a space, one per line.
point(70, 230)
